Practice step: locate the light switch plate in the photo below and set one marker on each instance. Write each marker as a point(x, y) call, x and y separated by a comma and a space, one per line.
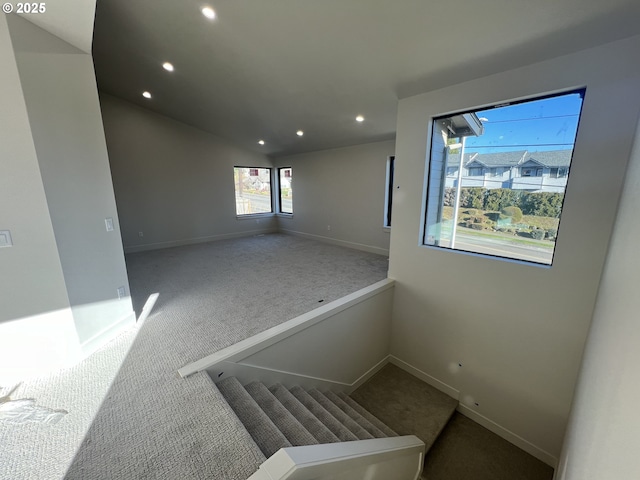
point(108, 222)
point(5, 239)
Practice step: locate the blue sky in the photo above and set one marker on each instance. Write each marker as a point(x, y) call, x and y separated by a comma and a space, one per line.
point(547, 124)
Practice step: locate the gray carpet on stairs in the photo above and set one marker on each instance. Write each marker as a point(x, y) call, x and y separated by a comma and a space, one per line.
point(406, 404)
point(339, 415)
point(339, 430)
point(271, 424)
point(292, 429)
point(298, 410)
point(266, 434)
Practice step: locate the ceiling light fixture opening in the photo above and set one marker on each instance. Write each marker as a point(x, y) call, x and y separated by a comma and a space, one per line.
point(359, 118)
point(146, 94)
point(167, 66)
point(209, 13)
point(299, 133)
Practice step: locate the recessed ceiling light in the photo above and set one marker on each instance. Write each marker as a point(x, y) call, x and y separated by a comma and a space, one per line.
point(299, 133)
point(167, 66)
point(359, 118)
point(146, 94)
point(261, 142)
point(209, 13)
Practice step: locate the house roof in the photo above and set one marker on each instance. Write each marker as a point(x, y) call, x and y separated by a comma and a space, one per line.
point(490, 160)
point(554, 158)
point(550, 159)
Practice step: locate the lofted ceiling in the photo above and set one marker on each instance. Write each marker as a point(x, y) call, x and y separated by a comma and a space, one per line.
point(264, 69)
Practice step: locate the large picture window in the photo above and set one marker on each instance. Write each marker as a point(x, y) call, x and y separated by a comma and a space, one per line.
point(497, 177)
point(253, 190)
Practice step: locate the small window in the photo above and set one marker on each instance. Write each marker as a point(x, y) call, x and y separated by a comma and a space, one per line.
point(530, 145)
point(388, 197)
point(253, 190)
point(285, 177)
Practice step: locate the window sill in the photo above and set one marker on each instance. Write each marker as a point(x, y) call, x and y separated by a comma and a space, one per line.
point(386, 229)
point(284, 215)
point(252, 216)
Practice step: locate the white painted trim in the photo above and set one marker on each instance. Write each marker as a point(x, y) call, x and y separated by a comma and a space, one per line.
point(509, 436)
point(342, 243)
point(148, 306)
point(246, 373)
point(107, 334)
point(262, 340)
point(192, 241)
point(335, 460)
point(425, 377)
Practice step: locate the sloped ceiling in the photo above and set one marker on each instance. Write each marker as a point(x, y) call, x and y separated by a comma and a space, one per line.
point(265, 68)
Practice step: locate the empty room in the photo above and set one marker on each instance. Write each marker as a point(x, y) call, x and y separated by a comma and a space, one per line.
point(303, 239)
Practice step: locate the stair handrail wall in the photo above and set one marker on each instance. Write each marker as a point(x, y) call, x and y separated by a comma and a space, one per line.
point(400, 458)
point(336, 346)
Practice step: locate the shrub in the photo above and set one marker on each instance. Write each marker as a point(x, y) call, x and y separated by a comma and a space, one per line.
point(542, 204)
point(477, 220)
point(538, 234)
point(514, 212)
point(551, 233)
point(476, 226)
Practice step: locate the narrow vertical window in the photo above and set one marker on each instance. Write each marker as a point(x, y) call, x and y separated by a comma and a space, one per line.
point(285, 178)
point(388, 197)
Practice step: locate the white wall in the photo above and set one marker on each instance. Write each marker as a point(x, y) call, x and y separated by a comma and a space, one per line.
point(343, 189)
point(33, 280)
point(602, 437)
point(63, 273)
point(173, 182)
point(61, 96)
point(518, 330)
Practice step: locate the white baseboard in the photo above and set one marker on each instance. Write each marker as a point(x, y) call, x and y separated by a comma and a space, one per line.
point(425, 377)
point(196, 240)
point(490, 425)
point(369, 373)
point(342, 243)
point(106, 335)
point(509, 436)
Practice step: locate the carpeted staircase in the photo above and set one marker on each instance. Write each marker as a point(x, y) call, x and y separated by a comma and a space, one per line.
point(276, 417)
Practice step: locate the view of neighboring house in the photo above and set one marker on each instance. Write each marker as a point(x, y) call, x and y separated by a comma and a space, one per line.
point(518, 170)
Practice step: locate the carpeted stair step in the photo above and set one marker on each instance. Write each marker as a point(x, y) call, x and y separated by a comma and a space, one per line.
point(263, 431)
point(341, 416)
point(314, 426)
point(295, 432)
point(359, 419)
point(368, 415)
point(338, 429)
point(406, 403)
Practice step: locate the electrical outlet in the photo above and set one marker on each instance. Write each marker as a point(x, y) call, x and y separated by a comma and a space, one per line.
point(328, 227)
point(140, 234)
point(5, 238)
point(121, 292)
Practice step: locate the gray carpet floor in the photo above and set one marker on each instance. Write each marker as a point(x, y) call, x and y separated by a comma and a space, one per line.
point(33, 450)
point(407, 404)
point(463, 450)
point(153, 424)
point(466, 450)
